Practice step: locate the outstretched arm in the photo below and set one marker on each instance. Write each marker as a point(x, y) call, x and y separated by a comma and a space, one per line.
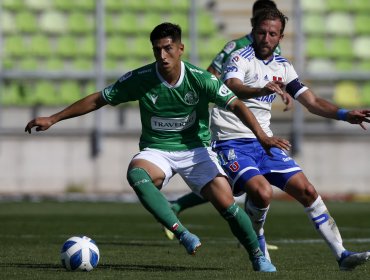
point(326, 109)
point(246, 92)
point(83, 106)
point(248, 118)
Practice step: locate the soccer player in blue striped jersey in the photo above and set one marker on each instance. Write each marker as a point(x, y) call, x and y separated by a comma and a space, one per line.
point(257, 75)
point(173, 98)
point(216, 65)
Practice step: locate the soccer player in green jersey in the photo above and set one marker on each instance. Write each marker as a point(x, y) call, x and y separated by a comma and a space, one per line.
point(173, 98)
point(216, 65)
point(190, 200)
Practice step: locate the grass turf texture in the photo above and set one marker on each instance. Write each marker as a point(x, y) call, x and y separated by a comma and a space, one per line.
point(132, 245)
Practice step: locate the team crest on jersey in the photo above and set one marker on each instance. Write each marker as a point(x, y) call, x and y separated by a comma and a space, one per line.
point(230, 47)
point(191, 98)
point(126, 76)
point(235, 58)
point(224, 91)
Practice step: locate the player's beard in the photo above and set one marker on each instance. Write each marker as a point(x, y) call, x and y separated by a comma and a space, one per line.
point(265, 54)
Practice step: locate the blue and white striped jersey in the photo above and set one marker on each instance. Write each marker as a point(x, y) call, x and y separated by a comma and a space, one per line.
point(253, 72)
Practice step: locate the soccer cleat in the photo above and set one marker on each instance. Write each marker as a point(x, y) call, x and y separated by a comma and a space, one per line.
point(263, 247)
point(190, 241)
point(262, 264)
point(349, 260)
point(169, 234)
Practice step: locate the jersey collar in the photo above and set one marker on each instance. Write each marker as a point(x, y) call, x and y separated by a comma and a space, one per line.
point(178, 83)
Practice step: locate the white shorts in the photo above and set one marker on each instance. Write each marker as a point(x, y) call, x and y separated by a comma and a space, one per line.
point(197, 166)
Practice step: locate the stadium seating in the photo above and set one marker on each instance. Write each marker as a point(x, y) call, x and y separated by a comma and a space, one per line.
point(26, 21)
point(365, 94)
point(53, 22)
point(59, 35)
point(314, 5)
point(362, 24)
point(38, 5)
point(337, 40)
point(7, 22)
point(347, 94)
point(69, 92)
point(361, 47)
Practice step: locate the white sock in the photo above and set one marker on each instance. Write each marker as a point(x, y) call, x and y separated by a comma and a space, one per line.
point(325, 226)
point(257, 216)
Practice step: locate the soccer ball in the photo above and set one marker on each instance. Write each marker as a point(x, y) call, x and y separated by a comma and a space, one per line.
point(80, 253)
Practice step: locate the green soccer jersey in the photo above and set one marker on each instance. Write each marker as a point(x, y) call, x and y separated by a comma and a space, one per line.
point(173, 118)
point(232, 46)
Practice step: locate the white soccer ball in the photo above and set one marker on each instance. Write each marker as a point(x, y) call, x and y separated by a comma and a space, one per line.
point(80, 253)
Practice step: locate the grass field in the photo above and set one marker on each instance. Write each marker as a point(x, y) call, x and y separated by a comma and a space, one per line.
point(132, 245)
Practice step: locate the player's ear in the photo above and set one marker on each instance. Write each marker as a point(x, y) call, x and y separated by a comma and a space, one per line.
point(181, 47)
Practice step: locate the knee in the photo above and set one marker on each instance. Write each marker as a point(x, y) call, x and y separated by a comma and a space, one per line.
point(309, 194)
point(305, 193)
point(261, 195)
point(137, 177)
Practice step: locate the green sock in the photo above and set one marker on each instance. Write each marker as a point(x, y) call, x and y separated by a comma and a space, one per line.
point(187, 201)
point(242, 228)
point(153, 200)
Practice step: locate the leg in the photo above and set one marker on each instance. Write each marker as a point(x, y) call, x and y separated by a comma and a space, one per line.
point(303, 191)
point(144, 177)
point(218, 192)
point(257, 203)
point(186, 201)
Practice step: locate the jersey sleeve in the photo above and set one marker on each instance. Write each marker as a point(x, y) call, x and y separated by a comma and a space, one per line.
point(235, 67)
point(121, 91)
point(222, 56)
point(219, 93)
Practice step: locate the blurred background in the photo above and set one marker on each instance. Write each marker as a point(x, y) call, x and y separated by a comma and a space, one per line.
point(53, 52)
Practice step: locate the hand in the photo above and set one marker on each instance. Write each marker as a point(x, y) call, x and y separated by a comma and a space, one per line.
point(288, 101)
point(269, 142)
point(358, 117)
point(278, 88)
point(41, 124)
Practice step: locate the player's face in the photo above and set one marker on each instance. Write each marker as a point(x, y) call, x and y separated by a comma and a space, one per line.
point(267, 37)
point(167, 53)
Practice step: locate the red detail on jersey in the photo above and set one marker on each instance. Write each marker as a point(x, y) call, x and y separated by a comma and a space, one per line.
point(175, 226)
point(236, 58)
point(234, 166)
point(274, 78)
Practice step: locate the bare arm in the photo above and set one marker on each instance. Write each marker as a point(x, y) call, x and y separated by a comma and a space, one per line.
point(321, 107)
point(249, 120)
point(83, 106)
point(246, 92)
point(212, 70)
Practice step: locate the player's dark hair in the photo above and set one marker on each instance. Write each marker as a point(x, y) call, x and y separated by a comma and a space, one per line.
point(269, 14)
point(262, 4)
point(164, 30)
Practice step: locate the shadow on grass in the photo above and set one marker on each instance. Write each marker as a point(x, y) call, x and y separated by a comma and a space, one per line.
point(125, 267)
point(135, 243)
